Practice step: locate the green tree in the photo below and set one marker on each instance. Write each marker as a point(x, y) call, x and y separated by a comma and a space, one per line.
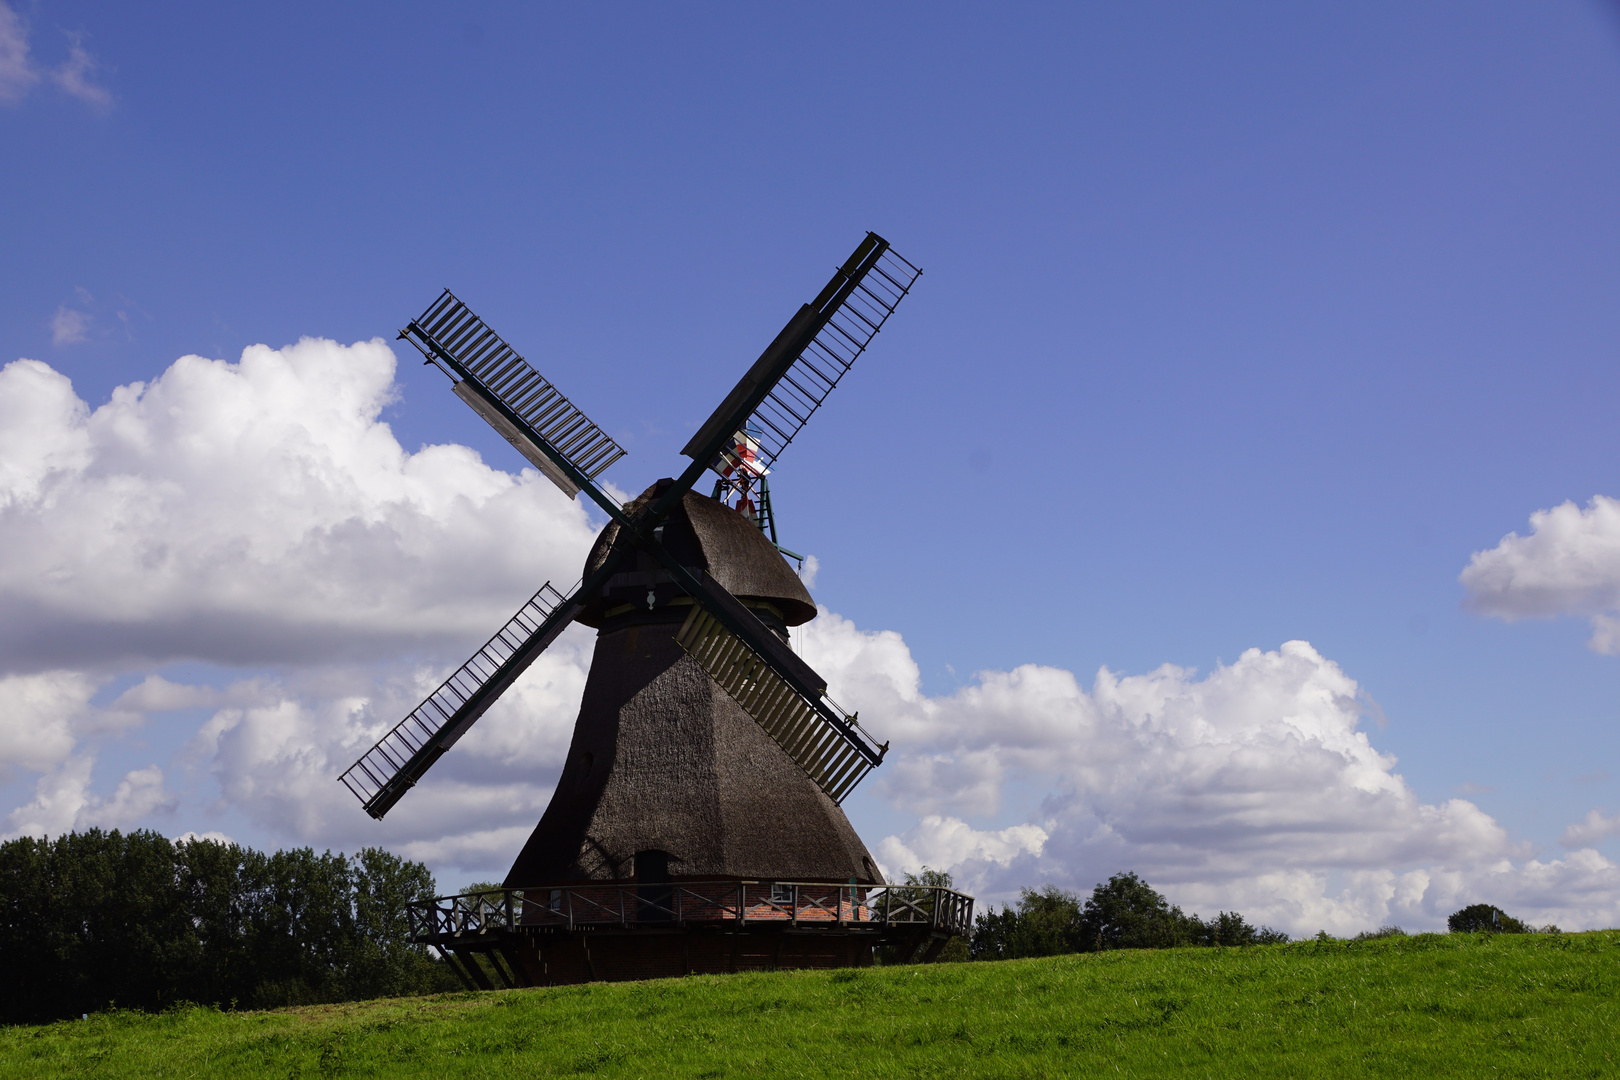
point(1127, 913)
point(383, 962)
point(31, 932)
point(209, 877)
point(1484, 918)
point(1049, 924)
point(1123, 913)
point(992, 934)
point(96, 918)
point(1230, 928)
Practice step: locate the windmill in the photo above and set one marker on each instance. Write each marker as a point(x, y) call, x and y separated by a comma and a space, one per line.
point(701, 792)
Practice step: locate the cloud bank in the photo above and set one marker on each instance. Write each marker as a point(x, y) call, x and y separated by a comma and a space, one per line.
point(259, 519)
point(255, 512)
point(1569, 564)
point(1252, 787)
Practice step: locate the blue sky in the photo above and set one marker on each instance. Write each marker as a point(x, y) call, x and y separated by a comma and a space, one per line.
point(1238, 326)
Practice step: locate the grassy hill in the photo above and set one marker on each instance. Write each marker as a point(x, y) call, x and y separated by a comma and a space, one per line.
point(1434, 1005)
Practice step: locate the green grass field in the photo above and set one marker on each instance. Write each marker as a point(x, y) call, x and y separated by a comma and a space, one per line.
point(1434, 1005)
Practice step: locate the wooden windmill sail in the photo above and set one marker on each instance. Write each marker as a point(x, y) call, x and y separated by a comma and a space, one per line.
point(736, 641)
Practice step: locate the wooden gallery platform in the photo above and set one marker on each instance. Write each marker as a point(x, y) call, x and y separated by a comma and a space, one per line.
point(612, 931)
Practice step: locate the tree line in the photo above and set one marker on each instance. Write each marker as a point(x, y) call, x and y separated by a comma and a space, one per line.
point(99, 919)
point(1124, 912)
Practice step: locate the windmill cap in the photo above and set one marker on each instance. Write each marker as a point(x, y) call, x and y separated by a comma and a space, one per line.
point(705, 534)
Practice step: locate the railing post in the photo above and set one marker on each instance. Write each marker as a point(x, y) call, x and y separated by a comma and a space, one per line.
point(742, 903)
point(508, 909)
point(795, 888)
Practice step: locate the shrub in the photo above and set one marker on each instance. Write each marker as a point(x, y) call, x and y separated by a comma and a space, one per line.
point(1230, 928)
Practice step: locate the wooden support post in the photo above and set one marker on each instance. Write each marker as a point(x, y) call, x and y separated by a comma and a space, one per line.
point(455, 964)
point(514, 961)
point(935, 947)
point(502, 975)
point(476, 970)
point(476, 962)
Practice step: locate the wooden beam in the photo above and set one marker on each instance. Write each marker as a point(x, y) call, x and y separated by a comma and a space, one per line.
point(476, 970)
point(514, 960)
point(457, 965)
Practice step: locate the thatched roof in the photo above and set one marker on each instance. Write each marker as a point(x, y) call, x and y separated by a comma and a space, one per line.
point(708, 535)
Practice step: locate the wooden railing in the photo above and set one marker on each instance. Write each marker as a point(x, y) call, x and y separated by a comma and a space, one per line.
point(446, 919)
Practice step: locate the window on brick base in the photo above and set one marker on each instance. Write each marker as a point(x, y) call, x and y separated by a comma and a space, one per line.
point(781, 893)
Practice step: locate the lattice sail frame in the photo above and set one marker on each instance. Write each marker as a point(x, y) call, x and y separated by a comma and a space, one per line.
point(449, 331)
point(394, 753)
point(850, 328)
point(822, 741)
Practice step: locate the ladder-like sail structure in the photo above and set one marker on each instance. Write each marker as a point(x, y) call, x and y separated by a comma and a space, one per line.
point(389, 769)
point(813, 352)
point(516, 399)
point(829, 746)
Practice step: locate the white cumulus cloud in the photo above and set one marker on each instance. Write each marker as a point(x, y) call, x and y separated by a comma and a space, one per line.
point(1569, 564)
point(1251, 787)
point(63, 801)
point(255, 512)
point(39, 717)
point(1592, 829)
point(276, 759)
point(938, 842)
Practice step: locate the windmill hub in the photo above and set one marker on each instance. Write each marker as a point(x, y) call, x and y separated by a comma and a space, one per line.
point(696, 825)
